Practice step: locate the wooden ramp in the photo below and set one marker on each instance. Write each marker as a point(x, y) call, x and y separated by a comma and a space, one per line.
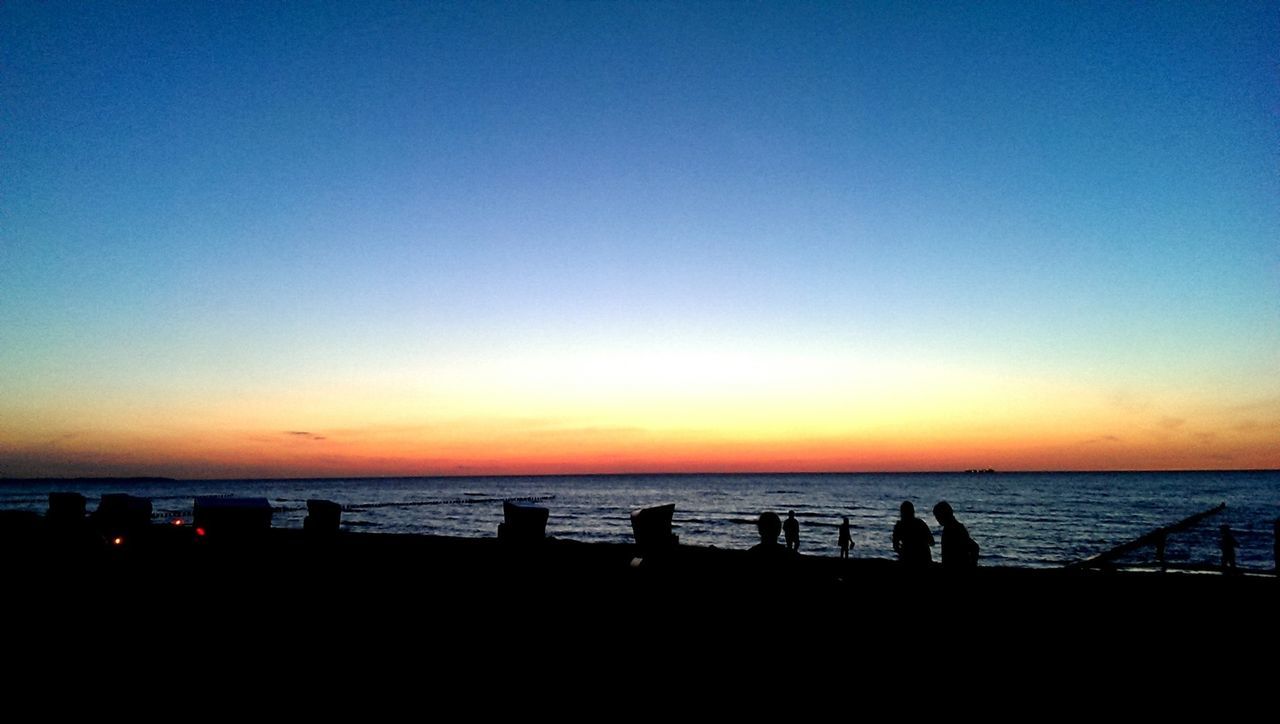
point(1151, 538)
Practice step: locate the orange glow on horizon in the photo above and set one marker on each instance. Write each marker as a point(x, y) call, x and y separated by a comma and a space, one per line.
point(528, 448)
point(911, 419)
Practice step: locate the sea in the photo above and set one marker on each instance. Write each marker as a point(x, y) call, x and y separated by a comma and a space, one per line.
point(1018, 519)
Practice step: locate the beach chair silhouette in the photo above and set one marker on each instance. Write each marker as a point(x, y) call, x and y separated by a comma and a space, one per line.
point(522, 523)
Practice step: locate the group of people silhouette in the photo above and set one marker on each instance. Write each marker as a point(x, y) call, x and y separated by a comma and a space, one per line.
point(912, 539)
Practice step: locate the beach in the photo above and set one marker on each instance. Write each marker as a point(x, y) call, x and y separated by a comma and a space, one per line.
point(456, 587)
point(351, 623)
point(287, 596)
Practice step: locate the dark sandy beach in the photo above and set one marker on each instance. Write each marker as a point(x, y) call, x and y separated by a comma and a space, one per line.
point(460, 586)
point(449, 617)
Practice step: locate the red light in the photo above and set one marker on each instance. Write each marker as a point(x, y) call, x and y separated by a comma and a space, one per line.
point(117, 540)
point(200, 532)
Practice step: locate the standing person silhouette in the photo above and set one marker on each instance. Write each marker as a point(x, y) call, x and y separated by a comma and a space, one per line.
point(912, 539)
point(1229, 545)
point(958, 549)
point(846, 540)
point(791, 527)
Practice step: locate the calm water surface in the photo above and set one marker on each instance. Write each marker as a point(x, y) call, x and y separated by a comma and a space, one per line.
point(1031, 519)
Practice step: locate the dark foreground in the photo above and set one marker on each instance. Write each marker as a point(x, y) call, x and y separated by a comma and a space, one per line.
point(423, 582)
point(400, 618)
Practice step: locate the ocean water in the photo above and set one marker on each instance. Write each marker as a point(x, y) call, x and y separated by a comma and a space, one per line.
point(1022, 519)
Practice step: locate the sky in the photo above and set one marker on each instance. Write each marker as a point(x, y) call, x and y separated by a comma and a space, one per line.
point(336, 239)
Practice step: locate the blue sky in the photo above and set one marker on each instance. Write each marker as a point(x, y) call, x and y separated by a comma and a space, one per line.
point(233, 197)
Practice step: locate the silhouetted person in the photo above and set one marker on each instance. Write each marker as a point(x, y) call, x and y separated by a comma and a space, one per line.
point(846, 540)
point(1229, 545)
point(912, 539)
point(1275, 545)
point(958, 549)
point(1160, 541)
point(769, 525)
point(792, 528)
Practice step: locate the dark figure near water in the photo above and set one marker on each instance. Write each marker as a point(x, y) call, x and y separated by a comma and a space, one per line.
point(792, 528)
point(769, 525)
point(912, 539)
point(958, 549)
point(769, 554)
point(846, 539)
point(1229, 545)
point(1161, 539)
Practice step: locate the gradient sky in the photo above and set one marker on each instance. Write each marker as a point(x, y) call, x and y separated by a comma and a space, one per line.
point(296, 239)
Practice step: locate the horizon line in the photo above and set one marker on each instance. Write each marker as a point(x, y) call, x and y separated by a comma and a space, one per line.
point(975, 471)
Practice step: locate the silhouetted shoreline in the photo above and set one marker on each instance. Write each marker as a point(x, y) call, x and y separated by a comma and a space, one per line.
point(227, 574)
point(287, 572)
point(1019, 520)
point(359, 602)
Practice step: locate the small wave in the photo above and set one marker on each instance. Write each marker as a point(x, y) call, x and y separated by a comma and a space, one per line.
point(169, 497)
point(19, 500)
point(699, 521)
point(447, 501)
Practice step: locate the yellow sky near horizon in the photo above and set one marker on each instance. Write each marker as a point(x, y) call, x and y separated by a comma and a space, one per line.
point(629, 413)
